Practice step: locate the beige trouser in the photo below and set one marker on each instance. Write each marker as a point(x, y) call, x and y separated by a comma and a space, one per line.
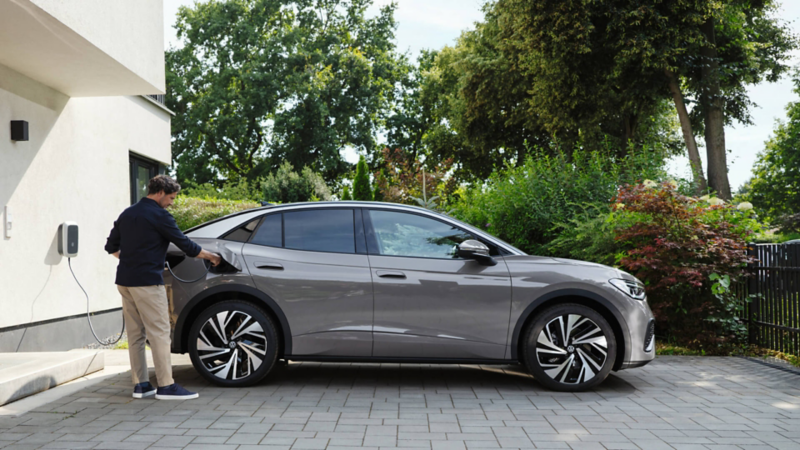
point(146, 313)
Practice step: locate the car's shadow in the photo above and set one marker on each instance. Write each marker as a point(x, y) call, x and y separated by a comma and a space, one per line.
point(502, 378)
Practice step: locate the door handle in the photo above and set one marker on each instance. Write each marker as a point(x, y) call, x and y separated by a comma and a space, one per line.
point(390, 274)
point(272, 266)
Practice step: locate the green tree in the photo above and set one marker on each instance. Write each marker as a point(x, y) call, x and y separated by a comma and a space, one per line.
point(478, 103)
point(774, 188)
point(346, 193)
point(361, 187)
point(259, 82)
point(287, 186)
point(599, 66)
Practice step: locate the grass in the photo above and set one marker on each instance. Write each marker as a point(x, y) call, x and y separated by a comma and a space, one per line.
point(670, 349)
point(758, 352)
point(744, 350)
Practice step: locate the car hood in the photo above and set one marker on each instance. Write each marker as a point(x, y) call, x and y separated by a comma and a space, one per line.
point(520, 264)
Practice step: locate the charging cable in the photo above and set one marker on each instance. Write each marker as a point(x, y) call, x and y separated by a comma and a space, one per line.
point(208, 268)
point(89, 317)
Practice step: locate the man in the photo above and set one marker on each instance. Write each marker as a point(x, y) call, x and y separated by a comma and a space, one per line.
point(140, 238)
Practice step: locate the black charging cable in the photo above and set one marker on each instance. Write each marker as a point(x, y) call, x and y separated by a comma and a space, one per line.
point(89, 316)
point(208, 269)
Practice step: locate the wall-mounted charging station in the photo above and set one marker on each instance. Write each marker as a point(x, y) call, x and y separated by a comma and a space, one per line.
point(68, 239)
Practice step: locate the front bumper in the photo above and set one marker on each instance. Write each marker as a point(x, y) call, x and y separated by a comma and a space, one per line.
point(641, 326)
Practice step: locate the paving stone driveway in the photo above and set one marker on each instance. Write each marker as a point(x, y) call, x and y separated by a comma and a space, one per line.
point(675, 402)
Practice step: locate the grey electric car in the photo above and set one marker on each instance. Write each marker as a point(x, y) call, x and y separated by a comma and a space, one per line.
point(382, 282)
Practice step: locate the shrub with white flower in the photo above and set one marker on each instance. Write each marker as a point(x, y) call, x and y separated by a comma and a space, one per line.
point(714, 201)
point(744, 206)
point(673, 184)
point(650, 183)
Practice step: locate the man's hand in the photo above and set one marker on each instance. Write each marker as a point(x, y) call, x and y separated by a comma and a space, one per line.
point(116, 254)
point(213, 257)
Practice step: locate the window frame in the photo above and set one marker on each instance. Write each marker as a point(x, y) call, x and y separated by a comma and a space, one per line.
point(360, 245)
point(260, 219)
point(372, 238)
point(134, 162)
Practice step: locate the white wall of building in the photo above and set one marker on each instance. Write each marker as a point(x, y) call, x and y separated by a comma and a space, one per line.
point(74, 168)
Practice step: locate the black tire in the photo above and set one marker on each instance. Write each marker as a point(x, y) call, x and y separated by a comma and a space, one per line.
point(248, 354)
point(575, 365)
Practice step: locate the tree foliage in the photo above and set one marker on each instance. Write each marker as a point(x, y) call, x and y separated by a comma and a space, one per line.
point(362, 190)
point(401, 178)
point(774, 188)
point(346, 195)
point(287, 186)
point(259, 82)
point(583, 72)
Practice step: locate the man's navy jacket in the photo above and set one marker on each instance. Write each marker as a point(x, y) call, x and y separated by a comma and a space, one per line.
point(142, 234)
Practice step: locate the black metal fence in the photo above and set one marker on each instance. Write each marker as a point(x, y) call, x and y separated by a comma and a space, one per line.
point(774, 310)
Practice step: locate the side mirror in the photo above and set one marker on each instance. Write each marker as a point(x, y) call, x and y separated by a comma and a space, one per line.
point(472, 249)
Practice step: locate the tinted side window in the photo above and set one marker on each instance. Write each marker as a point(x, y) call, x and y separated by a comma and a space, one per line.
point(242, 234)
point(270, 232)
point(401, 234)
point(321, 230)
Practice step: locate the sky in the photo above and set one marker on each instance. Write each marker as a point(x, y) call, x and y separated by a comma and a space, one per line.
point(432, 24)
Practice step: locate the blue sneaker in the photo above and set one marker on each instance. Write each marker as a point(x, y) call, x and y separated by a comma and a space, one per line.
point(175, 392)
point(143, 390)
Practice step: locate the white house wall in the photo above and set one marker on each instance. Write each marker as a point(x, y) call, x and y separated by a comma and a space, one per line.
point(74, 168)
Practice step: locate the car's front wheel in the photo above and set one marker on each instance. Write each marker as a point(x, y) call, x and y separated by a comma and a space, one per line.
point(233, 344)
point(570, 348)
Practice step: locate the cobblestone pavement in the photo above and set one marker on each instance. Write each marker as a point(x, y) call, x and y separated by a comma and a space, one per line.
point(673, 403)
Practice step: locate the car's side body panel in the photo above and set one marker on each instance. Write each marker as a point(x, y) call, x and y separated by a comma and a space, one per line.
point(439, 308)
point(327, 297)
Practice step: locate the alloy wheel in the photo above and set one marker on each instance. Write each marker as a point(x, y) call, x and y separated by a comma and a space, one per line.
point(571, 349)
point(231, 345)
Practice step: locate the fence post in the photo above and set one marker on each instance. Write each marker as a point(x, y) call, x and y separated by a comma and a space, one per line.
point(752, 288)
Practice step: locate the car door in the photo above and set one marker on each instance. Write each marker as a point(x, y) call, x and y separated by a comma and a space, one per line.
point(313, 264)
point(430, 303)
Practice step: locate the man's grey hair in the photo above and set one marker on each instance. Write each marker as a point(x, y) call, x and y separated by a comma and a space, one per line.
point(162, 183)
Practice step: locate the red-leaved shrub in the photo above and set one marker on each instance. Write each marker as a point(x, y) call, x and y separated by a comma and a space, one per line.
point(674, 243)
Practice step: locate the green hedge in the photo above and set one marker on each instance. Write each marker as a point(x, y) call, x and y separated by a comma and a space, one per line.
point(528, 205)
point(191, 211)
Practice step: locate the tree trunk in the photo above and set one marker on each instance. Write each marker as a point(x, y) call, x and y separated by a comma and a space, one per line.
point(688, 135)
point(714, 116)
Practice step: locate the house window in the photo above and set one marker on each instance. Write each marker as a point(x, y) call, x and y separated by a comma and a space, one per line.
point(142, 171)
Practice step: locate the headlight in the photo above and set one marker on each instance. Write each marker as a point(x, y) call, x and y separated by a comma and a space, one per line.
point(633, 289)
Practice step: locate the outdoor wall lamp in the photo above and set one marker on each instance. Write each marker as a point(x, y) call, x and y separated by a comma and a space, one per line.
point(19, 130)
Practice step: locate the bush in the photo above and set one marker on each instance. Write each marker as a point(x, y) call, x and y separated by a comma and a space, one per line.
point(589, 236)
point(242, 191)
point(288, 186)
point(191, 211)
point(530, 204)
point(689, 252)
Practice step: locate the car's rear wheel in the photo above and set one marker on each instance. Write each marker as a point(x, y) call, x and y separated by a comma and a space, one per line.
point(570, 348)
point(233, 344)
